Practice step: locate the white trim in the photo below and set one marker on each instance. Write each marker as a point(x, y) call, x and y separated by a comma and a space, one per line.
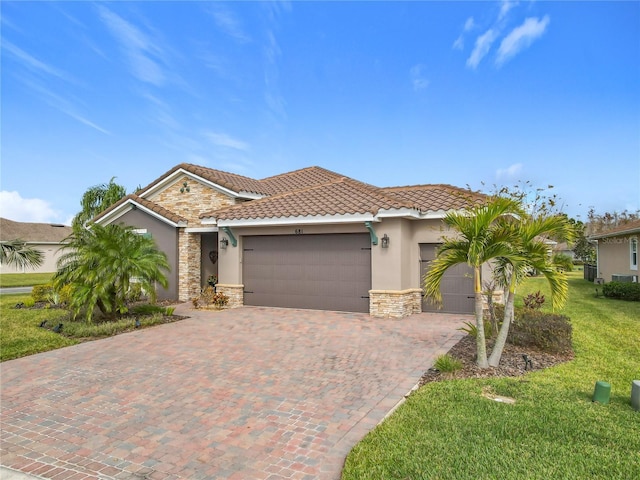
point(307, 220)
point(201, 230)
point(140, 231)
point(399, 212)
point(129, 205)
point(633, 241)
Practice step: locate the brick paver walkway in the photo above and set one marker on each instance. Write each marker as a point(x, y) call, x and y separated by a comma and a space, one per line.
point(251, 393)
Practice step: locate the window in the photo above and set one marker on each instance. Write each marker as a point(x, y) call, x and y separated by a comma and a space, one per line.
point(633, 253)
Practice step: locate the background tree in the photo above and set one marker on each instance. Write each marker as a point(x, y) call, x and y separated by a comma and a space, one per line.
point(99, 263)
point(478, 241)
point(97, 199)
point(19, 254)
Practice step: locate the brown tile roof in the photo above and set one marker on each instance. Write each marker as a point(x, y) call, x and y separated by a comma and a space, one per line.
point(629, 227)
point(435, 198)
point(342, 196)
point(298, 179)
point(154, 207)
point(33, 232)
point(232, 181)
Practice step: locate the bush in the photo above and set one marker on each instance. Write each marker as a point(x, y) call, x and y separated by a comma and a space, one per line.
point(29, 302)
point(41, 293)
point(147, 309)
point(534, 300)
point(470, 328)
point(208, 296)
point(549, 332)
point(446, 364)
point(622, 291)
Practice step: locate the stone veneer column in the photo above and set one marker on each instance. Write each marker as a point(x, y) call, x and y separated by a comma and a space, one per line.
point(395, 303)
point(234, 292)
point(188, 265)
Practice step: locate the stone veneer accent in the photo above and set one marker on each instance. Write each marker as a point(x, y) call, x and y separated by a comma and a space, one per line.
point(190, 205)
point(199, 199)
point(395, 303)
point(188, 265)
point(234, 292)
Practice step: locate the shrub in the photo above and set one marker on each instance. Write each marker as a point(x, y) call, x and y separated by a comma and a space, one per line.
point(549, 332)
point(209, 296)
point(147, 309)
point(169, 311)
point(135, 292)
point(622, 291)
point(41, 293)
point(470, 328)
point(29, 302)
point(534, 300)
point(446, 364)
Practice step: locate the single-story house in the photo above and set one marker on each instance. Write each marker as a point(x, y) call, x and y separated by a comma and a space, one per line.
point(617, 252)
point(46, 237)
point(563, 248)
point(310, 238)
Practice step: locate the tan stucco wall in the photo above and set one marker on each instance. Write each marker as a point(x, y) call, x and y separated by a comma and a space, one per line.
point(51, 254)
point(614, 257)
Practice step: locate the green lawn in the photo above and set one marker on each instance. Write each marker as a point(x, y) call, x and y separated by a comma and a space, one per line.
point(448, 431)
point(19, 331)
point(24, 279)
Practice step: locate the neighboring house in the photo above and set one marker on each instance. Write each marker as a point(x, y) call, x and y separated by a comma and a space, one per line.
point(311, 238)
point(564, 249)
point(46, 237)
point(617, 251)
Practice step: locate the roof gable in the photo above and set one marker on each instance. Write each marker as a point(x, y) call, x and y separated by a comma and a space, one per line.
point(132, 201)
point(233, 184)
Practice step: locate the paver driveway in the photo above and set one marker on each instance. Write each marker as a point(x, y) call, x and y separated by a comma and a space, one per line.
point(239, 394)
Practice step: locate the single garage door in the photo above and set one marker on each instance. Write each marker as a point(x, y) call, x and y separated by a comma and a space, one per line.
point(322, 272)
point(456, 287)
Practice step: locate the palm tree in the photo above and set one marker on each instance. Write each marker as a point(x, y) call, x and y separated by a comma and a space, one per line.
point(479, 240)
point(97, 199)
point(18, 253)
point(529, 252)
point(100, 263)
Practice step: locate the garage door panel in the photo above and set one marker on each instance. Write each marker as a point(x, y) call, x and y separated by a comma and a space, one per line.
point(456, 286)
point(328, 272)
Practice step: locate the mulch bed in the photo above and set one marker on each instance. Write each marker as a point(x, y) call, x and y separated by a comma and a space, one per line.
point(512, 363)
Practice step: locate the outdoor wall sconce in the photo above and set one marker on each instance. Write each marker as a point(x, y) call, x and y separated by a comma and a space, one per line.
point(384, 241)
point(185, 188)
point(224, 243)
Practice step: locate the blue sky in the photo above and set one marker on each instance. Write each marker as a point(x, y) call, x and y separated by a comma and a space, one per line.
point(390, 93)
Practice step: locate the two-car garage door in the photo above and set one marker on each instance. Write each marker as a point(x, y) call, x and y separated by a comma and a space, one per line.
point(323, 272)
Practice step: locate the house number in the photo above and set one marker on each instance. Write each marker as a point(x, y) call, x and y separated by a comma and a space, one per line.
point(298, 231)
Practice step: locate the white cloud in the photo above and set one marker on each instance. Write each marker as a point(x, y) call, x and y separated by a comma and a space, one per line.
point(468, 25)
point(510, 172)
point(521, 37)
point(227, 21)
point(16, 208)
point(142, 52)
point(505, 7)
point(224, 140)
point(31, 62)
point(62, 104)
point(418, 77)
point(481, 48)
